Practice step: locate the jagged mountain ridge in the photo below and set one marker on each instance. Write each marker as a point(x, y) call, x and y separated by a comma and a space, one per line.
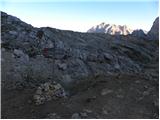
point(111, 29)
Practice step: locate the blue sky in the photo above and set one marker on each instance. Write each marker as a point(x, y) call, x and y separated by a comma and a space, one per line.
point(80, 15)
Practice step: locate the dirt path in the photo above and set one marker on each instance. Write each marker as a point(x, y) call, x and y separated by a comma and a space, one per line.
point(123, 96)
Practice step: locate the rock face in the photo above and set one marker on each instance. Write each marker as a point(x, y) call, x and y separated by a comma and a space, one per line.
point(153, 34)
point(33, 56)
point(139, 33)
point(110, 29)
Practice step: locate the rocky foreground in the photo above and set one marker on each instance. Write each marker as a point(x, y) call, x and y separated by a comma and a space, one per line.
point(50, 73)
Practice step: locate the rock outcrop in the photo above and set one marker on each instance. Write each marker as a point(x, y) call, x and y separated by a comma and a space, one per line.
point(153, 34)
point(110, 29)
point(33, 56)
point(48, 91)
point(139, 33)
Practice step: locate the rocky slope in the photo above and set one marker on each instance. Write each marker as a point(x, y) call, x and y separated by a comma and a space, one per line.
point(33, 57)
point(153, 34)
point(110, 29)
point(41, 53)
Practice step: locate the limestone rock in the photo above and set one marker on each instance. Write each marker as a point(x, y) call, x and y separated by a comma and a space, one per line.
point(47, 92)
point(111, 29)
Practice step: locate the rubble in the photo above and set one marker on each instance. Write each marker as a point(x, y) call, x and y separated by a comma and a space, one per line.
point(48, 91)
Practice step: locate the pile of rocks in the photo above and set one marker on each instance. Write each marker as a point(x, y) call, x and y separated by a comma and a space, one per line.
point(48, 91)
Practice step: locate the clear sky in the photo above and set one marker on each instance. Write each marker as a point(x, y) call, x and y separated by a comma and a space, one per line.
point(80, 15)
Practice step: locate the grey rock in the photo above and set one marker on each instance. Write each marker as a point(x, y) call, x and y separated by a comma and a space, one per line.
point(106, 91)
point(117, 66)
point(21, 56)
point(153, 34)
point(145, 93)
point(139, 33)
point(13, 32)
point(62, 66)
point(104, 111)
point(18, 52)
point(60, 45)
point(120, 96)
point(108, 56)
point(87, 110)
point(76, 116)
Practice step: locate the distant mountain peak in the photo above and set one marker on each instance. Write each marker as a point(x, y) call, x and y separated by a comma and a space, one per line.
point(111, 29)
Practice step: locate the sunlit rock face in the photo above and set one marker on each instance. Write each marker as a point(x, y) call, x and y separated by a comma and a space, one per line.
point(111, 29)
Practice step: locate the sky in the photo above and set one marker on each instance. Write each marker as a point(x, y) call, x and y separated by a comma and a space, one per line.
point(81, 15)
